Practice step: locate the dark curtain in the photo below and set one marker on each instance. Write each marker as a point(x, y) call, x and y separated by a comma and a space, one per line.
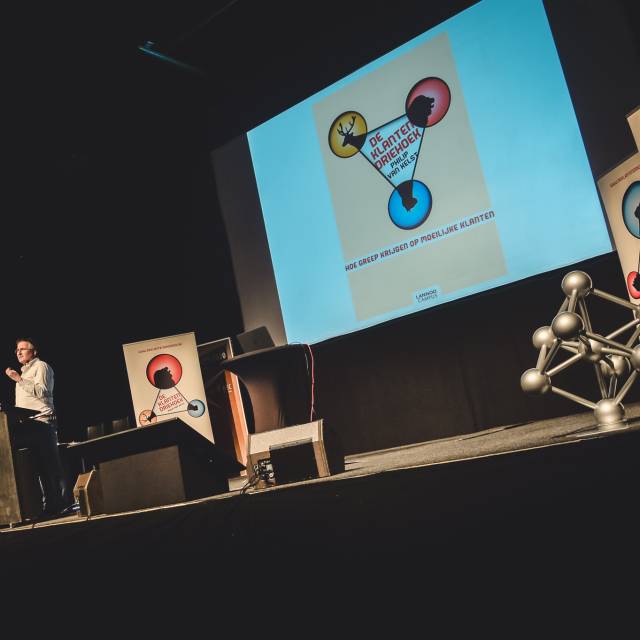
point(456, 369)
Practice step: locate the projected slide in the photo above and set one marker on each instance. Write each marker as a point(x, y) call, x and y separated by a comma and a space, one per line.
point(449, 166)
point(409, 195)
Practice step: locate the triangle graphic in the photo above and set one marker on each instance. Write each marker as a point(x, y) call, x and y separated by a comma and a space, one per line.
point(170, 401)
point(393, 149)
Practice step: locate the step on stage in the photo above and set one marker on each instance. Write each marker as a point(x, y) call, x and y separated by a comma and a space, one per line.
point(551, 486)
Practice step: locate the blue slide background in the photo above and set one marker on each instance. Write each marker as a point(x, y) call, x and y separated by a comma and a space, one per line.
point(530, 147)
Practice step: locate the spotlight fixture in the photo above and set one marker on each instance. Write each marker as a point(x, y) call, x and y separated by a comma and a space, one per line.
point(149, 49)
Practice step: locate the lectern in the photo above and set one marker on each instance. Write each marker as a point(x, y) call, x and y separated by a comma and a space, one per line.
point(20, 496)
point(278, 381)
point(285, 445)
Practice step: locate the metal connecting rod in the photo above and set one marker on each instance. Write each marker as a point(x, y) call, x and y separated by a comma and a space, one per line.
point(571, 330)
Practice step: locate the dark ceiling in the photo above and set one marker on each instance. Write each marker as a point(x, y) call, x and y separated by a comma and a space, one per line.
point(86, 85)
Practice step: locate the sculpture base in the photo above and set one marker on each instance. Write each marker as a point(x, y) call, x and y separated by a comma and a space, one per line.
point(596, 430)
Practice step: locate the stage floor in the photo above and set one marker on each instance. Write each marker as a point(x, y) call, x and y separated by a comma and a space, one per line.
point(498, 441)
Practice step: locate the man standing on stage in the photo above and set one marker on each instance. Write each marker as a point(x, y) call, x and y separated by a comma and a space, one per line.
point(34, 390)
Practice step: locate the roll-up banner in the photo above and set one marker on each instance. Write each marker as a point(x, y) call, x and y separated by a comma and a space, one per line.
point(634, 122)
point(166, 382)
point(620, 192)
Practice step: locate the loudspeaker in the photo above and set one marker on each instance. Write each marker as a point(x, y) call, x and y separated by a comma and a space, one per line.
point(95, 431)
point(88, 493)
point(120, 424)
point(254, 340)
point(293, 454)
point(155, 465)
point(168, 475)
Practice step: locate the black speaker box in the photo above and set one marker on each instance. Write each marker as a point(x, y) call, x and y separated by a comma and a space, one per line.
point(88, 494)
point(159, 464)
point(293, 454)
point(254, 340)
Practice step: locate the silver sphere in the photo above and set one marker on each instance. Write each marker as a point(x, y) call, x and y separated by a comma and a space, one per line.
point(635, 358)
point(608, 413)
point(534, 381)
point(566, 325)
point(620, 366)
point(592, 352)
point(543, 337)
point(577, 281)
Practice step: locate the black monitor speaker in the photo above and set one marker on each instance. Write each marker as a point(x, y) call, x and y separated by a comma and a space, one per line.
point(293, 454)
point(159, 464)
point(254, 340)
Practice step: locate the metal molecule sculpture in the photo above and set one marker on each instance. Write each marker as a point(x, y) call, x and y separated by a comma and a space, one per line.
point(612, 360)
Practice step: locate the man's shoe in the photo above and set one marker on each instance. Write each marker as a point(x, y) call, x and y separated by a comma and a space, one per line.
point(71, 509)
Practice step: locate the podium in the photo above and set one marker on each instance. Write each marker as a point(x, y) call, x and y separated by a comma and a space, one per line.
point(20, 495)
point(158, 464)
point(278, 381)
point(285, 445)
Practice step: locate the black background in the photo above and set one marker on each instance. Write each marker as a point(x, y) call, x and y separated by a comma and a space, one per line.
point(111, 230)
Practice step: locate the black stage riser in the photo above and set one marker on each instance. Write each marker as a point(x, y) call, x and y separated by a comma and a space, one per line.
point(563, 497)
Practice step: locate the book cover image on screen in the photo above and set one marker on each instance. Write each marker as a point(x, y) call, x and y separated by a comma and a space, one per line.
point(409, 195)
point(449, 166)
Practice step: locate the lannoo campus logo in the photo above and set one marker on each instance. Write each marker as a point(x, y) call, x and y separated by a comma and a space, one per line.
point(393, 149)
